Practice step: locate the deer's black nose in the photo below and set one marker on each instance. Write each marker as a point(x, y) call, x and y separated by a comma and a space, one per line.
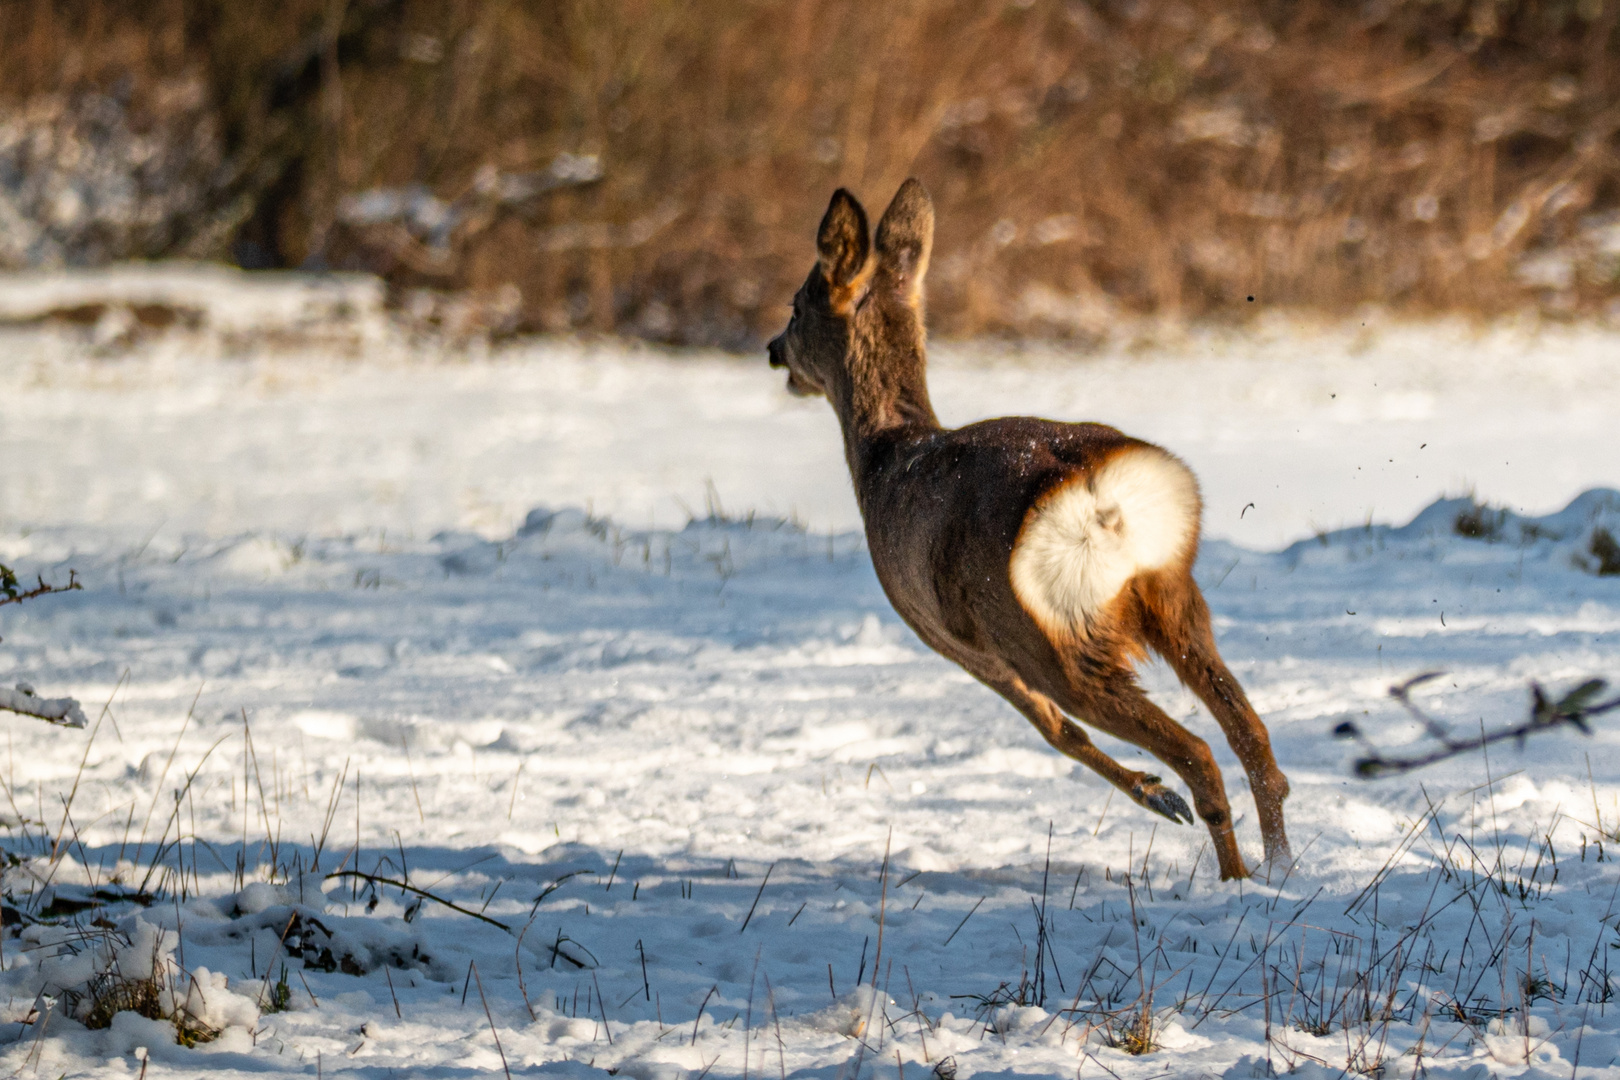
point(775, 351)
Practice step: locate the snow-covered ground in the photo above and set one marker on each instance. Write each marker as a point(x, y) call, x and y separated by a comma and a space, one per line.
point(530, 634)
point(1292, 429)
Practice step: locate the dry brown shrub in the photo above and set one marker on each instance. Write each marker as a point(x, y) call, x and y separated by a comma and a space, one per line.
point(1090, 159)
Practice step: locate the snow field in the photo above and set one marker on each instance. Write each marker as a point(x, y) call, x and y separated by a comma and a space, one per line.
point(698, 772)
point(1291, 428)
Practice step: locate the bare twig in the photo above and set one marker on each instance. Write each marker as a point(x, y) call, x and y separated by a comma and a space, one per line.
point(12, 593)
point(391, 883)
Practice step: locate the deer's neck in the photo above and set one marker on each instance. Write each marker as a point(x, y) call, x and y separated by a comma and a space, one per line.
point(882, 399)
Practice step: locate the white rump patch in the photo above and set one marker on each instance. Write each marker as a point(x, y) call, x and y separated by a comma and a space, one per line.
point(1093, 533)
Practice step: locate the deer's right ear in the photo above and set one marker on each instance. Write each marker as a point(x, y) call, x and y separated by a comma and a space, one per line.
point(905, 238)
point(845, 246)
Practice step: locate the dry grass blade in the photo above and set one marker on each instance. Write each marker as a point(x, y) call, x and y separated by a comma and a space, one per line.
point(491, 1018)
point(699, 1018)
point(965, 918)
point(78, 775)
point(331, 814)
point(763, 882)
point(167, 764)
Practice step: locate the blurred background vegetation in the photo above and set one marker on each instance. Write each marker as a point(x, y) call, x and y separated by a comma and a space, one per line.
point(657, 168)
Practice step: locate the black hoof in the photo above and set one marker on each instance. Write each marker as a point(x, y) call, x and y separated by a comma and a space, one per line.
point(1152, 794)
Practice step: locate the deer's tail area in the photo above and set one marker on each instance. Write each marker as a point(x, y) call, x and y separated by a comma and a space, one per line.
point(1084, 539)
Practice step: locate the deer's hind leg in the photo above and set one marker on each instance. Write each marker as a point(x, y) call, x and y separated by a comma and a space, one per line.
point(1112, 702)
point(1122, 710)
point(1175, 621)
point(1068, 739)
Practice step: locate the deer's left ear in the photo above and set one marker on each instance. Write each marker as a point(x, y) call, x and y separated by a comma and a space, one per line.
point(905, 237)
point(845, 248)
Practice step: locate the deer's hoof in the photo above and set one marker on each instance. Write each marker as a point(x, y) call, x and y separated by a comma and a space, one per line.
point(1151, 793)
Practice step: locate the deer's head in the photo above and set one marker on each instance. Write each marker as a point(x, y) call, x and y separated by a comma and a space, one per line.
point(863, 299)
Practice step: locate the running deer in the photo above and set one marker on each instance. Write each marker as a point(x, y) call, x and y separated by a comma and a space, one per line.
point(1045, 558)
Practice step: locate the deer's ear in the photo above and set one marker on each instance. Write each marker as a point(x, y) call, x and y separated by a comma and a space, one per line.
point(845, 246)
point(905, 237)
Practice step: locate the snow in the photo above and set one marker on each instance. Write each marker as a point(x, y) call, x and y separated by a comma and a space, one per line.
point(222, 299)
point(447, 623)
point(1292, 429)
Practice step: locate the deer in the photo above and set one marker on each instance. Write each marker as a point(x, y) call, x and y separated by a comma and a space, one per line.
point(1045, 558)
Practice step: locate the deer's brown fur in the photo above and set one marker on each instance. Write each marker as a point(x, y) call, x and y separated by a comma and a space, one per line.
point(1045, 558)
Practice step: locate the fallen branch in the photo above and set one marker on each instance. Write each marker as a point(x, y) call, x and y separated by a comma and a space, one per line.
point(391, 883)
point(1575, 709)
point(556, 949)
point(64, 711)
point(23, 700)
